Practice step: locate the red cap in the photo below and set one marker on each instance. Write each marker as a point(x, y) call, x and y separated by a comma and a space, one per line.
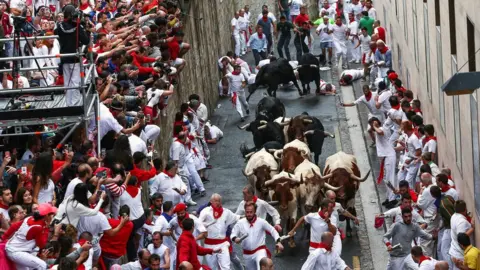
point(180, 207)
point(392, 76)
point(46, 208)
point(379, 222)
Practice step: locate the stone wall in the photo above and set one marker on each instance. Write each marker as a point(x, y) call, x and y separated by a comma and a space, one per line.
point(209, 39)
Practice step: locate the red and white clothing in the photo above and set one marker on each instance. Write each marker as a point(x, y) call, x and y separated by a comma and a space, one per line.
point(413, 144)
point(189, 250)
point(22, 247)
point(237, 91)
point(160, 251)
point(426, 202)
point(396, 215)
point(449, 191)
point(390, 122)
point(164, 184)
point(177, 227)
point(4, 211)
point(430, 144)
point(217, 235)
point(340, 41)
point(365, 47)
point(388, 156)
point(323, 259)
point(254, 248)
point(427, 263)
point(381, 33)
point(133, 198)
point(383, 100)
point(162, 225)
point(369, 101)
point(353, 40)
point(458, 224)
point(317, 228)
point(263, 208)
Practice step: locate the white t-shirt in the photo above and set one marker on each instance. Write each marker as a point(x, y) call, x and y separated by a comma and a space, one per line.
point(458, 224)
point(355, 73)
point(215, 132)
point(107, 122)
point(137, 144)
point(370, 104)
point(234, 23)
point(357, 10)
point(235, 82)
point(71, 187)
point(384, 147)
point(324, 35)
point(45, 195)
point(153, 96)
point(242, 23)
point(413, 143)
point(319, 226)
point(365, 43)
point(295, 7)
point(179, 152)
point(330, 12)
point(430, 146)
point(160, 251)
point(95, 225)
point(353, 27)
point(383, 99)
point(339, 32)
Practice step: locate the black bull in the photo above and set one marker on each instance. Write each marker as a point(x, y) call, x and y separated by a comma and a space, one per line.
point(273, 74)
point(309, 71)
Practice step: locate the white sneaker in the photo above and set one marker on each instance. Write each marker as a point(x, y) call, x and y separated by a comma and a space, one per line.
point(357, 61)
point(191, 203)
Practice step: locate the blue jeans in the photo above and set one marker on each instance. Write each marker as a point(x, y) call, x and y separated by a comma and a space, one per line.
point(286, 13)
point(283, 43)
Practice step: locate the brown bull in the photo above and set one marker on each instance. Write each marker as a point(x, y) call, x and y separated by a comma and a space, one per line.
point(341, 170)
point(291, 158)
point(262, 175)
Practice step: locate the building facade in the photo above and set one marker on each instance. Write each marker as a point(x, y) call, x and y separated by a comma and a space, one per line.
point(430, 41)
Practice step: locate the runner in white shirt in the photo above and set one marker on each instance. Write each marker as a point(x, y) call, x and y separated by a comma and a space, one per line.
point(340, 42)
point(413, 151)
point(364, 44)
point(162, 225)
point(382, 100)
point(180, 153)
point(328, 9)
point(353, 40)
point(396, 213)
point(372, 12)
point(254, 230)
point(157, 247)
point(393, 119)
point(425, 262)
point(426, 202)
point(237, 83)
point(356, 8)
point(169, 184)
point(176, 223)
point(243, 24)
point(459, 223)
point(263, 207)
point(217, 219)
point(325, 30)
point(213, 133)
point(295, 8)
point(350, 75)
point(319, 223)
point(236, 33)
point(430, 141)
point(324, 257)
point(156, 96)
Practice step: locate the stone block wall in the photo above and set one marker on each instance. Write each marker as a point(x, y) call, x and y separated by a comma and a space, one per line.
point(209, 39)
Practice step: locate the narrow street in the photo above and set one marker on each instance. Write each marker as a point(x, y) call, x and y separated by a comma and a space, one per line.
point(226, 177)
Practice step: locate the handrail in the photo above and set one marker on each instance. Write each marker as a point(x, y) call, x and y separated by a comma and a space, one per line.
point(13, 58)
point(30, 38)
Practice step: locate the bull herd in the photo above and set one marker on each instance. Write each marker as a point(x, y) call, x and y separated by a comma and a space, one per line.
point(280, 168)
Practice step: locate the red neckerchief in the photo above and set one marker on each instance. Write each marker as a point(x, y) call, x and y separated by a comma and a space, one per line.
point(156, 212)
point(260, 35)
point(186, 144)
point(423, 258)
point(29, 18)
point(217, 212)
point(149, 222)
point(81, 242)
point(265, 19)
point(3, 206)
point(180, 221)
point(10, 78)
point(338, 10)
point(31, 222)
point(352, 20)
point(428, 138)
point(253, 221)
point(411, 208)
point(402, 89)
point(236, 72)
point(385, 49)
point(323, 245)
point(255, 198)
point(417, 110)
point(339, 24)
point(368, 96)
point(445, 188)
point(323, 215)
point(168, 174)
point(469, 219)
point(132, 190)
point(397, 107)
point(84, 6)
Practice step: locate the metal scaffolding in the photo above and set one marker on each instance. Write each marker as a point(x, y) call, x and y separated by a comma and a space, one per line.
point(64, 117)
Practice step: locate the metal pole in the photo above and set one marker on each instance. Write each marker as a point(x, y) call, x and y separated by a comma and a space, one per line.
point(35, 90)
point(89, 73)
point(37, 132)
point(60, 144)
point(5, 59)
point(31, 38)
point(97, 121)
point(31, 69)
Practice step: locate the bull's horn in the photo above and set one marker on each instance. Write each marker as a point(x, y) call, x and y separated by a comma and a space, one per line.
point(309, 121)
point(247, 174)
point(262, 126)
point(263, 122)
point(326, 176)
point(249, 155)
point(313, 171)
point(283, 119)
point(274, 169)
point(328, 134)
point(286, 123)
point(356, 178)
point(272, 150)
point(244, 126)
point(301, 178)
point(314, 66)
point(303, 152)
point(308, 132)
point(277, 153)
point(327, 185)
point(273, 203)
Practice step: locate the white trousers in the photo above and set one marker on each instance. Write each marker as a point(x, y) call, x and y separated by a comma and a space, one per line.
point(253, 261)
point(241, 102)
point(194, 177)
point(183, 173)
point(218, 260)
point(236, 38)
point(389, 168)
point(243, 42)
point(26, 261)
point(150, 132)
point(337, 244)
point(444, 243)
point(382, 72)
point(71, 78)
point(356, 55)
point(401, 263)
point(427, 245)
point(411, 176)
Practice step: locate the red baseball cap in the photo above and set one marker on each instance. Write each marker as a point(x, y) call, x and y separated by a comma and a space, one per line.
point(46, 209)
point(180, 207)
point(379, 222)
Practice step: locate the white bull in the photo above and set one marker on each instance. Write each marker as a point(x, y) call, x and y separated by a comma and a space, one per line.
point(301, 146)
point(260, 168)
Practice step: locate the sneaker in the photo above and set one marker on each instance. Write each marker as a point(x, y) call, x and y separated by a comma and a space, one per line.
point(203, 193)
point(242, 119)
point(248, 112)
point(209, 166)
point(204, 180)
point(357, 61)
point(330, 63)
point(191, 203)
point(196, 191)
point(385, 202)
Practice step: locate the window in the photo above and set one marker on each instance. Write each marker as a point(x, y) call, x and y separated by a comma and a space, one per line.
point(472, 63)
point(405, 28)
point(437, 12)
point(453, 31)
point(475, 148)
point(400, 67)
point(415, 38)
point(441, 95)
point(456, 122)
point(384, 16)
point(427, 49)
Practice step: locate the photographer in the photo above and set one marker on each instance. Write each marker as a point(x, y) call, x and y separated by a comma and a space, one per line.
point(72, 34)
